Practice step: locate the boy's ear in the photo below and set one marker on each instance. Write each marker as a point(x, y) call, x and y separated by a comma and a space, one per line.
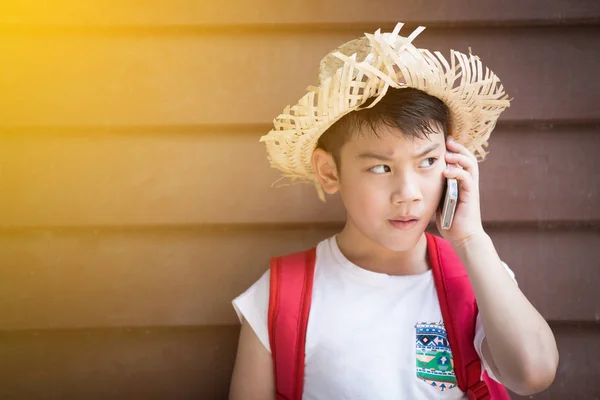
point(326, 170)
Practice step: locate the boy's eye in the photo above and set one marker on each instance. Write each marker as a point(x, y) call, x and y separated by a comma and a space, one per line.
point(380, 169)
point(428, 162)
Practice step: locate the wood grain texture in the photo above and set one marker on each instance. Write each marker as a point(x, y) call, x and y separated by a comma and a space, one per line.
point(182, 278)
point(264, 12)
point(194, 79)
point(196, 363)
point(174, 179)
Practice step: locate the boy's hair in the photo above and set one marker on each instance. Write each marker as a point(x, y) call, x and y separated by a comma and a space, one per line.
point(412, 111)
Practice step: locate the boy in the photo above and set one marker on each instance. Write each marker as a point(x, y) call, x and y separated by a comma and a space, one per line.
point(383, 128)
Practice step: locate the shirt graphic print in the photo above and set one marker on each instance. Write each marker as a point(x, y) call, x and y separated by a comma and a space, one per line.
point(435, 364)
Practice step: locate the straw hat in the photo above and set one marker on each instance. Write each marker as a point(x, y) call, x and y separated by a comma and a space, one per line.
point(366, 67)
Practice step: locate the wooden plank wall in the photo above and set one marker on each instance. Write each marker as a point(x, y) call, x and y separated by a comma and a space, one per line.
point(135, 200)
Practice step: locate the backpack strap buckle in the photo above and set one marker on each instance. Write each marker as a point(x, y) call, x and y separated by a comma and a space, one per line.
point(479, 391)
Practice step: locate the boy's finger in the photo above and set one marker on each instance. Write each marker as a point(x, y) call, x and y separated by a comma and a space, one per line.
point(463, 161)
point(459, 148)
point(463, 176)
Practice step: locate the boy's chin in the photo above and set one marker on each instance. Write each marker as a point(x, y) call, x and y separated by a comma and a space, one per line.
point(403, 242)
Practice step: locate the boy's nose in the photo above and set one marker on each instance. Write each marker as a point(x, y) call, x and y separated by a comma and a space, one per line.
point(406, 191)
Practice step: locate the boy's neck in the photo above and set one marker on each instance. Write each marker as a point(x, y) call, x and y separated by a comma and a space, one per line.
point(373, 257)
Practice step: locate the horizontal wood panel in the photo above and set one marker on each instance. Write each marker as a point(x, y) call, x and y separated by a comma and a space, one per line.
point(188, 12)
point(188, 363)
point(172, 179)
point(248, 78)
point(78, 280)
point(196, 363)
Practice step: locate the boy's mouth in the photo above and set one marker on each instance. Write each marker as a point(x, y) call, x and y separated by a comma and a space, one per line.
point(404, 223)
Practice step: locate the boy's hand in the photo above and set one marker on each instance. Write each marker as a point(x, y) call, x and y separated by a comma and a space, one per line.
point(467, 217)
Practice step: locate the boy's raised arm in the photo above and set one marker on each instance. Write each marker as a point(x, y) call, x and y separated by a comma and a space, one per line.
point(253, 371)
point(518, 339)
point(521, 344)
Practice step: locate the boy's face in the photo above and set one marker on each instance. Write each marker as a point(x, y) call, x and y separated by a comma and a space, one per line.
point(391, 185)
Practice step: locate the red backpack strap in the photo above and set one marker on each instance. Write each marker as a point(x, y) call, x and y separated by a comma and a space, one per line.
point(459, 311)
point(289, 305)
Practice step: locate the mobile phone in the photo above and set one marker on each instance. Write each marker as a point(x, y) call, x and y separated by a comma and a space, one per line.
point(449, 202)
